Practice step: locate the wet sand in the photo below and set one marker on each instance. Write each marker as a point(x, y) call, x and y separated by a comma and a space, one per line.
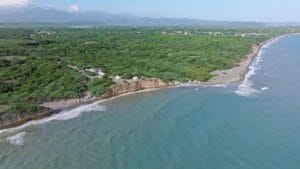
point(237, 73)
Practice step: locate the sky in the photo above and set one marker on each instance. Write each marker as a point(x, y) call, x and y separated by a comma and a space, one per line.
point(229, 10)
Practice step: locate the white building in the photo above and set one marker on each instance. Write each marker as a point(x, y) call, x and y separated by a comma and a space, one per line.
point(118, 78)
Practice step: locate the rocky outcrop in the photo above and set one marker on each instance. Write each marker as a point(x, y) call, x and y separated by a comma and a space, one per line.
point(9, 120)
point(128, 87)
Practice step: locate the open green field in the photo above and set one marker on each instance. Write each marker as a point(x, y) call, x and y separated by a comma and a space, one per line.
point(44, 64)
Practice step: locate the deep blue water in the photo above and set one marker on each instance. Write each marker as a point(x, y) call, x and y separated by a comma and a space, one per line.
point(180, 128)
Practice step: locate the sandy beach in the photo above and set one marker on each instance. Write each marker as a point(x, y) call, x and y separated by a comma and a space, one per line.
point(236, 73)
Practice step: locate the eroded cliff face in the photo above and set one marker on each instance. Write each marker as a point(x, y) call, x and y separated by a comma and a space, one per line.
point(134, 86)
point(14, 119)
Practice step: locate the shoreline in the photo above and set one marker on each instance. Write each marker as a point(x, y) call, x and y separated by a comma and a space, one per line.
point(220, 77)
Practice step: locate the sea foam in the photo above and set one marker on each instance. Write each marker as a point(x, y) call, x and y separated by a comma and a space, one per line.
point(246, 88)
point(17, 139)
point(220, 86)
point(64, 115)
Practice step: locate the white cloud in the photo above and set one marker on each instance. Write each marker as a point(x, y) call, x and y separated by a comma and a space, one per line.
point(74, 8)
point(14, 3)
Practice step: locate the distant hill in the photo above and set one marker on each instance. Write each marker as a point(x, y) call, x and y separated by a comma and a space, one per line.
point(54, 16)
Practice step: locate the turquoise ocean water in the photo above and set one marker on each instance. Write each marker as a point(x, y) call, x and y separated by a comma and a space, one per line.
point(254, 124)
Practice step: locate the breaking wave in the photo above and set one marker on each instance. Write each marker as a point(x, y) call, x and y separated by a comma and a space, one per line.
point(264, 88)
point(67, 115)
point(17, 139)
point(220, 86)
point(64, 115)
point(246, 88)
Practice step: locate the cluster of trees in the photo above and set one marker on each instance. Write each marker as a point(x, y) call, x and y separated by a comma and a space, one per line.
point(34, 61)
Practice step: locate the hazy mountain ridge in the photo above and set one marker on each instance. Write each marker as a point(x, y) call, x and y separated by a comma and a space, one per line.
point(50, 15)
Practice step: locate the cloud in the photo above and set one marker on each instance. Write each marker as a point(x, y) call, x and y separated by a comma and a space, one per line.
point(74, 8)
point(14, 3)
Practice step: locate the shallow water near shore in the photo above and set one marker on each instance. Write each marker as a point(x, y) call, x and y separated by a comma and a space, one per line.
point(189, 127)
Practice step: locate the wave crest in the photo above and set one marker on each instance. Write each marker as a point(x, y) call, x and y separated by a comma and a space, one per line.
point(17, 139)
point(220, 86)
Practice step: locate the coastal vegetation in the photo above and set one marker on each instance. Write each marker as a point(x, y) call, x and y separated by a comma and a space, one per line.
point(48, 63)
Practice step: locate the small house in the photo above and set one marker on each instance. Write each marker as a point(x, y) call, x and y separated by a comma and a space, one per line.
point(118, 78)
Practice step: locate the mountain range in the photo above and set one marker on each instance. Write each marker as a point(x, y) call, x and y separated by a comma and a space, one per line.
point(54, 16)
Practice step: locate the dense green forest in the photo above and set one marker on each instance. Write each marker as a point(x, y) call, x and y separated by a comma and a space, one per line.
point(36, 63)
